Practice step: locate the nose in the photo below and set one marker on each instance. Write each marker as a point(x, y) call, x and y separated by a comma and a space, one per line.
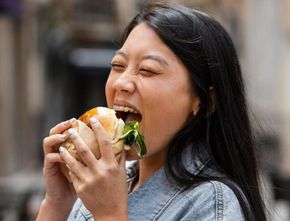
point(125, 83)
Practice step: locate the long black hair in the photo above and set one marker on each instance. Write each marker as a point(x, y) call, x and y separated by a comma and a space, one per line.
point(222, 124)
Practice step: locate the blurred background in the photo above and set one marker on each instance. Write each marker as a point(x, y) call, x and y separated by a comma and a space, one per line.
point(54, 60)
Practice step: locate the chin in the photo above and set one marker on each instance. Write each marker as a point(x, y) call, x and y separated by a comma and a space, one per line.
point(132, 155)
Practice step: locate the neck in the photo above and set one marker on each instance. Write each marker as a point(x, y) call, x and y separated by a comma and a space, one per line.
point(148, 166)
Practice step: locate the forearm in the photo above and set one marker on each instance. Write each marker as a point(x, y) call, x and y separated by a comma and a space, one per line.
point(49, 211)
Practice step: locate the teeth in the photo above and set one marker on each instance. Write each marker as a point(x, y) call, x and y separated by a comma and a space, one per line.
point(125, 109)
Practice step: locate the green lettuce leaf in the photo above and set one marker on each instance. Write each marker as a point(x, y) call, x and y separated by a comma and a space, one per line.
point(132, 136)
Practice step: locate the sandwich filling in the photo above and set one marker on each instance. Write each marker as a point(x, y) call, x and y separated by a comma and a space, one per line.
point(125, 122)
point(132, 137)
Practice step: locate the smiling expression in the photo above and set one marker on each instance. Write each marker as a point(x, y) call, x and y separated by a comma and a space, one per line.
point(152, 84)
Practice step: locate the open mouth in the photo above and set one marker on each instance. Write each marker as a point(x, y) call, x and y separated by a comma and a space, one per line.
point(127, 114)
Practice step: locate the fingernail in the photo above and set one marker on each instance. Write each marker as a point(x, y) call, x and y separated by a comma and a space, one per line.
point(61, 149)
point(71, 131)
point(94, 120)
point(69, 121)
point(62, 136)
point(65, 122)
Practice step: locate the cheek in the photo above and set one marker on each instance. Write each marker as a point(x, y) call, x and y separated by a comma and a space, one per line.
point(109, 90)
point(167, 106)
point(165, 119)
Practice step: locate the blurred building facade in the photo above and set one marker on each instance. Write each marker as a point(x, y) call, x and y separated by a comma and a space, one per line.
point(54, 60)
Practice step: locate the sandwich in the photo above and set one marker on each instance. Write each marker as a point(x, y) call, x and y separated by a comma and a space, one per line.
point(123, 136)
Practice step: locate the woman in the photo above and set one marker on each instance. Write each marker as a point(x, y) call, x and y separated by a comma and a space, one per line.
point(178, 69)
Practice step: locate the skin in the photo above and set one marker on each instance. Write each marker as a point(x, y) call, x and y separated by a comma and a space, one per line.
point(148, 75)
point(145, 75)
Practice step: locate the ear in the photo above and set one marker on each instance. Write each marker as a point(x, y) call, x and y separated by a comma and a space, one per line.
point(212, 96)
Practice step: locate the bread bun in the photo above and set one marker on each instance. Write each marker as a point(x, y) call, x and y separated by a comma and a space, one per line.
point(112, 125)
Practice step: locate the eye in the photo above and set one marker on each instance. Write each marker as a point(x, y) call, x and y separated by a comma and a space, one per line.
point(117, 67)
point(147, 72)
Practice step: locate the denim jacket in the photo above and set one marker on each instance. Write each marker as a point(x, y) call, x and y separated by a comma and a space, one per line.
point(159, 199)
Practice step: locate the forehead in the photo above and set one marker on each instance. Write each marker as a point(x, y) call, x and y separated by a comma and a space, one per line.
point(144, 41)
point(143, 36)
point(143, 30)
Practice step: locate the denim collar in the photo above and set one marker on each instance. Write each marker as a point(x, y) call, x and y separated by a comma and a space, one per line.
point(157, 192)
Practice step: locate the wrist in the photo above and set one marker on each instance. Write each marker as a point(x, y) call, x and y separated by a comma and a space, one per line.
point(49, 210)
point(60, 203)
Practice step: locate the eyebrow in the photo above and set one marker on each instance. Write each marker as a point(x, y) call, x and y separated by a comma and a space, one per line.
point(150, 57)
point(156, 58)
point(119, 52)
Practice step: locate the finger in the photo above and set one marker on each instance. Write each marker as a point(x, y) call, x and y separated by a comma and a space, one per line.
point(51, 159)
point(51, 143)
point(51, 164)
point(105, 145)
point(54, 158)
point(74, 165)
point(122, 161)
point(75, 180)
point(61, 127)
point(83, 150)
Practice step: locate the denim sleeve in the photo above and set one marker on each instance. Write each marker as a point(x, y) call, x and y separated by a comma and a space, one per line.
point(211, 201)
point(75, 210)
point(231, 206)
point(80, 213)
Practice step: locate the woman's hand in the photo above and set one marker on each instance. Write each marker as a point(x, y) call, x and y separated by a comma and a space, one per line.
point(101, 184)
point(59, 192)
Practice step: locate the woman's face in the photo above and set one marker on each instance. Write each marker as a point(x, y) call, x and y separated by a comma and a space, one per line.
point(149, 82)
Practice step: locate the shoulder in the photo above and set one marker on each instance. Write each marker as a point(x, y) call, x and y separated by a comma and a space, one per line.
point(218, 197)
point(211, 200)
